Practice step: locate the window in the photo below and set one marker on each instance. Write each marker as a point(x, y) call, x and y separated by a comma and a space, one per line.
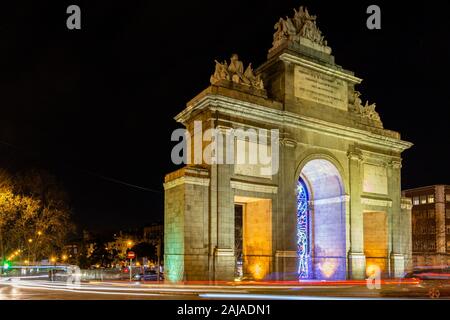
point(417, 245)
point(432, 229)
point(447, 229)
point(431, 198)
point(431, 246)
point(430, 214)
point(423, 199)
point(416, 201)
point(447, 213)
point(422, 229)
point(447, 197)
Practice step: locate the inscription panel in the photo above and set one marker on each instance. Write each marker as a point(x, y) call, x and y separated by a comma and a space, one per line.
point(321, 88)
point(375, 179)
point(248, 160)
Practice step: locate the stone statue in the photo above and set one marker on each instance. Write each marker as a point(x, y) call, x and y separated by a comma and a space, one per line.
point(290, 28)
point(235, 72)
point(236, 69)
point(357, 102)
point(301, 25)
point(370, 112)
point(366, 111)
point(256, 81)
point(220, 73)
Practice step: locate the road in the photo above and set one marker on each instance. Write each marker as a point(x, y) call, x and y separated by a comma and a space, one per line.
point(25, 289)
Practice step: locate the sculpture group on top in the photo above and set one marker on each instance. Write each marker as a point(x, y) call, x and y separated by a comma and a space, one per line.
point(301, 25)
point(367, 111)
point(235, 72)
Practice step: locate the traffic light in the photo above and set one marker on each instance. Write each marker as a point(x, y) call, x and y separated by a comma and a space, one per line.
point(6, 265)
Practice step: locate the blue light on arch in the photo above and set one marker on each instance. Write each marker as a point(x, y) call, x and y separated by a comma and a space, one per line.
point(303, 250)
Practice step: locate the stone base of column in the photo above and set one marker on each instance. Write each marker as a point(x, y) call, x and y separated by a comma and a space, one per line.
point(397, 265)
point(224, 264)
point(356, 265)
point(286, 264)
point(174, 267)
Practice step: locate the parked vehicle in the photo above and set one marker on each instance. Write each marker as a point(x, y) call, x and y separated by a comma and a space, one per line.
point(148, 275)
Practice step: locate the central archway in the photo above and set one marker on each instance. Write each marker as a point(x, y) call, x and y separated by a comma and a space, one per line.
point(321, 238)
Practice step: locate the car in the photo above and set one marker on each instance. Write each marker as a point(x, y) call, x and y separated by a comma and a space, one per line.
point(430, 274)
point(434, 282)
point(148, 275)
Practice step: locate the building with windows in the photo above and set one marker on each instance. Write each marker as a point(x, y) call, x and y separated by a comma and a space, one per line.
point(430, 225)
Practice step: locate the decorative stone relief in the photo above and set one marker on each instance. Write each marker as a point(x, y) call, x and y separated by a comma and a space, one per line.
point(367, 110)
point(302, 25)
point(235, 72)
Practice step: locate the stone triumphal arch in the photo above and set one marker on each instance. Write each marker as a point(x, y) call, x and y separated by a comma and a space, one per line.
point(331, 208)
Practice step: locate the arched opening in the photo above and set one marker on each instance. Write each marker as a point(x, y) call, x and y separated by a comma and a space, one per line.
point(321, 239)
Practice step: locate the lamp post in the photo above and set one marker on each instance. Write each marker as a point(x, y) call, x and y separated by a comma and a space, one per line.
point(39, 234)
point(1, 249)
point(129, 245)
point(52, 260)
point(30, 241)
point(158, 254)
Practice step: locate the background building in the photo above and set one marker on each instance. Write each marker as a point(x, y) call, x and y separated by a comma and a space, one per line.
point(430, 225)
point(153, 233)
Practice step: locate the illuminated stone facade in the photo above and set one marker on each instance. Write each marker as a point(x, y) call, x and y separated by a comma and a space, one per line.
point(328, 139)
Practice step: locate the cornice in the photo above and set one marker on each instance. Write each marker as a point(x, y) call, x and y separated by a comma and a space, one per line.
point(281, 118)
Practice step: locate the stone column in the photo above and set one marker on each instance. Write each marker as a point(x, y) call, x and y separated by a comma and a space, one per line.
point(397, 258)
point(223, 210)
point(356, 257)
point(285, 234)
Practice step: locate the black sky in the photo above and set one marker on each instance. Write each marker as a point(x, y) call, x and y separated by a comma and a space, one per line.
point(99, 102)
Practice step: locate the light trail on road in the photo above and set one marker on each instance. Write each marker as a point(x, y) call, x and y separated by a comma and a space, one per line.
point(23, 288)
point(287, 297)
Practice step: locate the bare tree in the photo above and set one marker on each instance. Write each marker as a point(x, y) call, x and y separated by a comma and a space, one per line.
point(34, 214)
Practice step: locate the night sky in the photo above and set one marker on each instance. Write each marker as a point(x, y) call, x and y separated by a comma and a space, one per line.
point(95, 106)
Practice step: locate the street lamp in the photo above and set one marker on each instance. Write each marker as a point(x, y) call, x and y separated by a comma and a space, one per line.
point(129, 243)
point(30, 241)
point(35, 248)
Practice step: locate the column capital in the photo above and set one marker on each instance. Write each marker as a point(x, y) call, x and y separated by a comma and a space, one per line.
point(355, 155)
point(395, 164)
point(287, 142)
point(225, 130)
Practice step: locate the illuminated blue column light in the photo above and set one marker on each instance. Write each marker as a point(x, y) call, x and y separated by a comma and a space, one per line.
point(302, 230)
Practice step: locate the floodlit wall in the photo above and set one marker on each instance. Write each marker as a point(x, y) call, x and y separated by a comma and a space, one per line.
point(376, 241)
point(257, 238)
